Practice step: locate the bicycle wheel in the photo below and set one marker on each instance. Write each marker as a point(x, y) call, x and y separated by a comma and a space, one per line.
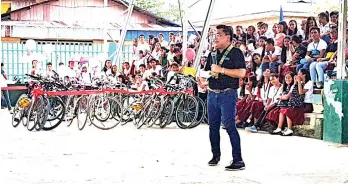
point(43, 117)
point(167, 113)
point(186, 112)
point(201, 113)
point(99, 111)
point(111, 123)
point(56, 114)
point(154, 112)
point(70, 109)
point(18, 112)
point(34, 113)
point(82, 112)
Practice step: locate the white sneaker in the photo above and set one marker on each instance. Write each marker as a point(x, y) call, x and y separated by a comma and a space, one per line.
point(288, 132)
point(277, 131)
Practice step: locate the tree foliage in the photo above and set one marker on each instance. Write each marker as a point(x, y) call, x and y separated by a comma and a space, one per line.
point(160, 8)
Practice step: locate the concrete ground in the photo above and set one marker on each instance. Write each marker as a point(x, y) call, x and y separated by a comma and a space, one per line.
point(170, 155)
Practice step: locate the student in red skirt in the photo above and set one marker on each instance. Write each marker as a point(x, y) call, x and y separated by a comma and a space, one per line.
point(294, 114)
point(261, 97)
point(241, 94)
point(285, 98)
point(307, 89)
point(274, 95)
point(273, 98)
point(244, 112)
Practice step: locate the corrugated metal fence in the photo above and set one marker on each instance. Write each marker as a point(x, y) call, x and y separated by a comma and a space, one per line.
point(17, 63)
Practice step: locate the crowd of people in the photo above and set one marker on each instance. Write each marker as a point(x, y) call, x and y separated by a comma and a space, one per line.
point(285, 64)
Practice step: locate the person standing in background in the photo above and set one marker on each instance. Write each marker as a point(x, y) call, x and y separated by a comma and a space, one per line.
point(5, 98)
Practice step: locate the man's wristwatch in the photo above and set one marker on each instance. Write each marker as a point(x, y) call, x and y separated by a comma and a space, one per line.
point(223, 71)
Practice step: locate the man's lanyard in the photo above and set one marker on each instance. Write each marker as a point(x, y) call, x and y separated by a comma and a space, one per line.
point(213, 54)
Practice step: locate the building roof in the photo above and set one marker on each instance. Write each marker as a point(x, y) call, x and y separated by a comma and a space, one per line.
point(88, 25)
point(6, 16)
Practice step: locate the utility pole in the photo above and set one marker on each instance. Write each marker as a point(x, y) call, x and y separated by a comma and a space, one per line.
point(105, 46)
point(185, 29)
point(342, 24)
point(124, 32)
point(204, 34)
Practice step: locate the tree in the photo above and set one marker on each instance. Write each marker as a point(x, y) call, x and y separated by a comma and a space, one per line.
point(168, 11)
point(327, 6)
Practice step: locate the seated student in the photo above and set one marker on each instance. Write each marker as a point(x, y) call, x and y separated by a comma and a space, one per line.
point(272, 101)
point(298, 52)
point(244, 112)
point(284, 101)
point(324, 26)
point(315, 50)
point(334, 18)
point(285, 56)
point(259, 104)
point(307, 89)
point(317, 68)
point(273, 116)
point(242, 93)
point(261, 49)
point(256, 66)
point(174, 68)
point(298, 104)
point(141, 84)
point(271, 60)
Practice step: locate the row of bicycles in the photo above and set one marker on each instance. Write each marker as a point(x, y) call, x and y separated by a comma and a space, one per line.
point(107, 103)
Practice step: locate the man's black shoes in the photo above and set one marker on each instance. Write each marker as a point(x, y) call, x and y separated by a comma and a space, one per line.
point(236, 166)
point(214, 161)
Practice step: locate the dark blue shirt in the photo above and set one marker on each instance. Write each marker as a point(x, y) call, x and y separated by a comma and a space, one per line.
point(234, 60)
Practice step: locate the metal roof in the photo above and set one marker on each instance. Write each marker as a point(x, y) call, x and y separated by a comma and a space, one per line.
point(6, 16)
point(90, 25)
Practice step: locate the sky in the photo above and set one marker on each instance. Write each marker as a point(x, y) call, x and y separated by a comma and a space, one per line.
point(225, 8)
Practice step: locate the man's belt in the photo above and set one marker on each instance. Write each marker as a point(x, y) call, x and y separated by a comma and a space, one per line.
point(219, 90)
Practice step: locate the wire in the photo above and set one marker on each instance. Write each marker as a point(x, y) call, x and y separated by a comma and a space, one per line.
point(60, 6)
point(194, 3)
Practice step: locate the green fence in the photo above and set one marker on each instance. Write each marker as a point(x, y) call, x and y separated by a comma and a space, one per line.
point(13, 55)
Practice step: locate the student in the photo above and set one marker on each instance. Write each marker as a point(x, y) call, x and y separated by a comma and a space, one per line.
point(244, 112)
point(107, 68)
point(318, 68)
point(271, 105)
point(324, 26)
point(310, 23)
point(35, 70)
point(272, 59)
point(274, 96)
point(298, 52)
point(293, 30)
point(316, 49)
point(294, 113)
point(258, 105)
point(284, 101)
point(256, 66)
point(334, 18)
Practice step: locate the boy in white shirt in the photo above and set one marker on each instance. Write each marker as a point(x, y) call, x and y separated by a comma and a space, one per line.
point(324, 26)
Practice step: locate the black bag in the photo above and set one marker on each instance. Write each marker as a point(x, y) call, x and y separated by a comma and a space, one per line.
point(283, 103)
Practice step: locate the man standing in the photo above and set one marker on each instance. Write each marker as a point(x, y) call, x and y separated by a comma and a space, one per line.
point(226, 66)
point(142, 45)
point(5, 98)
